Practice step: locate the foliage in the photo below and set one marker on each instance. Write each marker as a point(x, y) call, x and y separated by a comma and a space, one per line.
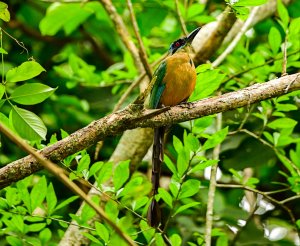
point(89, 69)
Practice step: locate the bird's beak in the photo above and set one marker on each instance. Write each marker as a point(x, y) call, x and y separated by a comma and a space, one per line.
point(192, 35)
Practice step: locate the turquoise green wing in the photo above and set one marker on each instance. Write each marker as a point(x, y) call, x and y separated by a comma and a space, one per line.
point(159, 86)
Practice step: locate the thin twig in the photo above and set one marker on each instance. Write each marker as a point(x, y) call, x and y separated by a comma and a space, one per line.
point(258, 66)
point(60, 174)
point(212, 187)
point(122, 31)
point(142, 50)
point(237, 38)
point(181, 21)
point(290, 199)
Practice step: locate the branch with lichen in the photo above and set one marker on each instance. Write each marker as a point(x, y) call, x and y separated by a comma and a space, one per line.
point(134, 116)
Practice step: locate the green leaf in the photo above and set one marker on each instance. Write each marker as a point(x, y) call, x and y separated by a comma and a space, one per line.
point(170, 164)
point(95, 168)
point(215, 139)
point(32, 93)
point(13, 241)
point(207, 82)
point(36, 227)
point(189, 188)
point(283, 13)
point(282, 123)
point(3, 51)
point(191, 142)
point(92, 238)
point(174, 187)
point(251, 182)
point(159, 241)
point(286, 107)
point(38, 193)
point(104, 173)
point(66, 202)
point(222, 241)
point(27, 70)
point(5, 121)
point(112, 210)
point(51, 199)
point(57, 19)
point(295, 184)
point(24, 195)
point(274, 39)
point(166, 197)
point(4, 13)
point(202, 123)
point(121, 174)
point(298, 223)
point(242, 3)
point(175, 240)
point(45, 236)
point(147, 231)
point(84, 163)
point(183, 162)
point(177, 144)
point(27, 124)
point(2, 90)
point(185, 207)
point(102, 231)
point(132, 187)
point(139, 202)
point(203, 165)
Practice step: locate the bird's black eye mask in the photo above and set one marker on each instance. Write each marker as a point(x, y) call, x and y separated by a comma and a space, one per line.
point(177, 44)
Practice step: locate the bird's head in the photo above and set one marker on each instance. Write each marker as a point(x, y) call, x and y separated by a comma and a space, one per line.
point(183, 42)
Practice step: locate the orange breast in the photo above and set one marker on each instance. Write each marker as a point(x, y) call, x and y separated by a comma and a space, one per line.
point(180, 79)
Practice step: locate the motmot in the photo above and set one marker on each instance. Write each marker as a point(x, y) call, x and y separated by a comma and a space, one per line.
point(175, 80)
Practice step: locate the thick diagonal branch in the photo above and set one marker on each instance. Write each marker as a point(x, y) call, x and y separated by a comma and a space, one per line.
point(133, 117)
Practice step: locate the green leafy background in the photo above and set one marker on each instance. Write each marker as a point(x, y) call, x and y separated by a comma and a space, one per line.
point(64, 66)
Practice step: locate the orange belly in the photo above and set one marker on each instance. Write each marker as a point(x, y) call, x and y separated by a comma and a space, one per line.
point(180, 79)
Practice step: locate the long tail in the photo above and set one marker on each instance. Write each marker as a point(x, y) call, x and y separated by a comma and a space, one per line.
point(154, 214)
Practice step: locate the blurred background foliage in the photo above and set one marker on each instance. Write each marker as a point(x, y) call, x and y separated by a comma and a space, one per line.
point(89, 68)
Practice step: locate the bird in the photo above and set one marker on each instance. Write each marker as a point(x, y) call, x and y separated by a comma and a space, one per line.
point(174, 82)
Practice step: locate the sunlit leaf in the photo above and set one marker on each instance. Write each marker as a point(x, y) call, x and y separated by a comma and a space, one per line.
point(27, 70)
point(51, 199)
point(32, 93)
point(189, 188)
point(166, 197)
point(274, 39)
point(2, 90)
point(27, 124)
point(283, 13)
point(185, 207)
point(215, 139)
point(121, 174)
point(282, 123)
point(102, 231)
point(242, 3)
point(4, 13)
point(66, 16)
point(38, 193)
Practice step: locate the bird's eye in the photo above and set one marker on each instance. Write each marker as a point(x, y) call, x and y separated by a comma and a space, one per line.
point(177, 44)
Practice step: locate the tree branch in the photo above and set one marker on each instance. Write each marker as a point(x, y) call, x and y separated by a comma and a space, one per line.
point(134, 116)
point(60, 174)
point(212, 36)
point(212, 187)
